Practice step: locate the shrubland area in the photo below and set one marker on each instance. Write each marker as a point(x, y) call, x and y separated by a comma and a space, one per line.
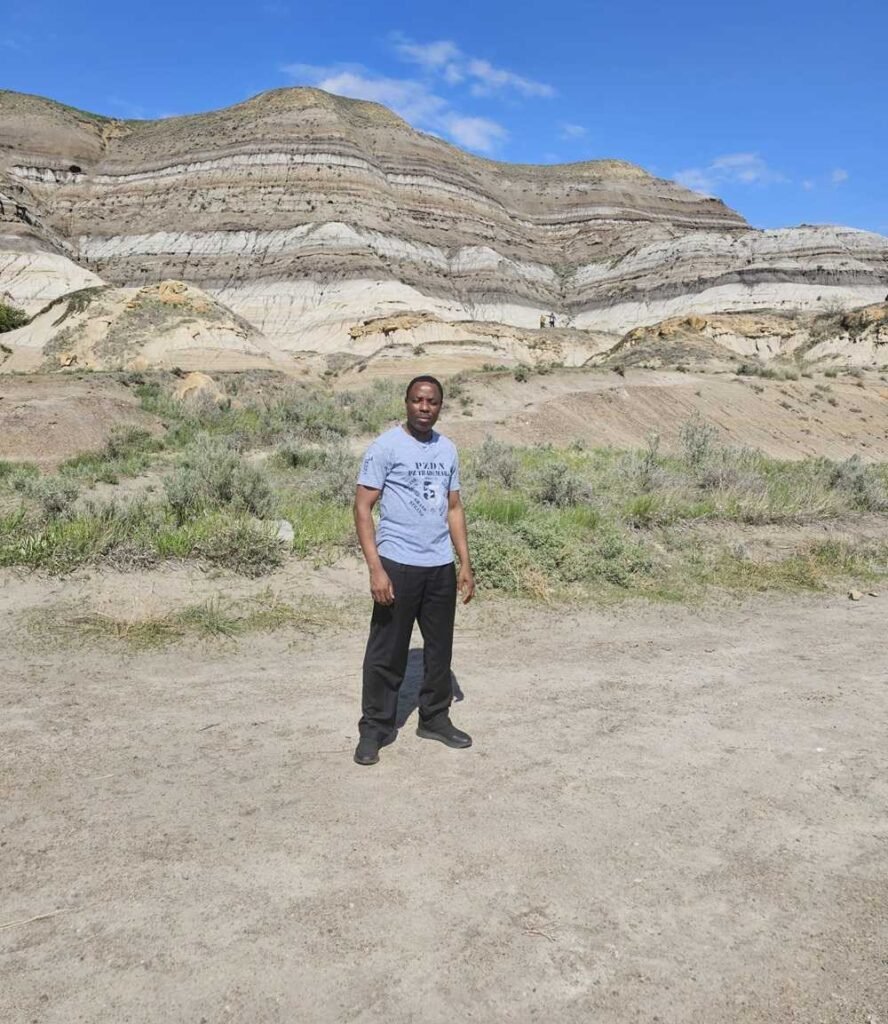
point(545, 521)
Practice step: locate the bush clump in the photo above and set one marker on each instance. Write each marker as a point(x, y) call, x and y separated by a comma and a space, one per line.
point(557, 485)
point(213, 476)
point(497, 462)
point(11, 318)
point(53, 496)
point(866, 489)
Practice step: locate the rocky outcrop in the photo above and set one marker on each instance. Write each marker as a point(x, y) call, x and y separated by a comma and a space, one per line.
point(856, 337)
point(305, 212)
point(158, 327)
point(420, 338)
point(30, 280)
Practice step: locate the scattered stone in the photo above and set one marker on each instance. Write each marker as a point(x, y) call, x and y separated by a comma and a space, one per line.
point(854, 595)
point(197, 385)
point(285, 533)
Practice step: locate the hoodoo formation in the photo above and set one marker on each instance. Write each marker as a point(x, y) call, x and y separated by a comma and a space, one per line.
point(305, 213)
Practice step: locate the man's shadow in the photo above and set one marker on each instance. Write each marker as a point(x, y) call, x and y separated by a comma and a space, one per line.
point(408, 696)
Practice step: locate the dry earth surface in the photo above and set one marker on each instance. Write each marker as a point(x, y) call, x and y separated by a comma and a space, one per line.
point(669, 814)
point(50, 417)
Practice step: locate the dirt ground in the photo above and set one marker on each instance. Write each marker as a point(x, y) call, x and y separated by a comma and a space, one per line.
point(50, 417)
point(669, 814)
point(46, 418)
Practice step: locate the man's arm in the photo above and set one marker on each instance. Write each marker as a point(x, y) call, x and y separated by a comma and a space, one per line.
point(380, 585)
point(456, 520)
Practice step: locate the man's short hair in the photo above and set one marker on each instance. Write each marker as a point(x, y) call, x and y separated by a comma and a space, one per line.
point(425, 378)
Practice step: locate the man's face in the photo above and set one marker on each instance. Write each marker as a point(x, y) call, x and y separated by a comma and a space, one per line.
point(423, 406)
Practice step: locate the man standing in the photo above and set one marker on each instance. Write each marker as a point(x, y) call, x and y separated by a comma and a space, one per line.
point(413, 472)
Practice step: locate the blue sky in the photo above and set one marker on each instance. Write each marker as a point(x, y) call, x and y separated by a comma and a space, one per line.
point(778, 106)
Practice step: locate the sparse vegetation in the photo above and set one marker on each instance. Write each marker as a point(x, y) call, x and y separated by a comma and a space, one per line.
point(214, 619)
point(213, 476)
point(543, 520)
point(769, 372)
point(129, 451)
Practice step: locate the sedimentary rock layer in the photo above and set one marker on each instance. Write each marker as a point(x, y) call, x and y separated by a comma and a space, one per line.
point(306, 212)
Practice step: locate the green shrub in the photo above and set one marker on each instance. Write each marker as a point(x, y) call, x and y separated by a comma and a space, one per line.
point(698, 441)
point(867, 490)
point(214, 476)
point(127, 452)
point(54, 496)
point(557, 485)
point(500, 560)
point(11, 318)
point(241, 546)
point(497, 462)
point(614, 559)
point(12, 471)
point(296, 454)
point(335, 481)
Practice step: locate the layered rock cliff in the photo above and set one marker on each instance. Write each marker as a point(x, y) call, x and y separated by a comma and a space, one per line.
point(305, 213)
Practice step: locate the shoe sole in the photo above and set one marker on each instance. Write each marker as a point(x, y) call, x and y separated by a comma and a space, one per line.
point(429, 734)
point(366, 764)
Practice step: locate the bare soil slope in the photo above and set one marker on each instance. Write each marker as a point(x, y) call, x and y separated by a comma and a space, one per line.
point(46, 419)
point(786, 419)
point(667, 815)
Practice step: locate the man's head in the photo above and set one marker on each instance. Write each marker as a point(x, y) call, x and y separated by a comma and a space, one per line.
point(423, 401)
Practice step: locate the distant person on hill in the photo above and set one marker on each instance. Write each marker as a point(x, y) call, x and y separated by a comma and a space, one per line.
point(551, 319)
point(543, 320)
point(413, 473)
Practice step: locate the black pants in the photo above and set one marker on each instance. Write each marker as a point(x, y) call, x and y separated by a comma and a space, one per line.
point(427, 596)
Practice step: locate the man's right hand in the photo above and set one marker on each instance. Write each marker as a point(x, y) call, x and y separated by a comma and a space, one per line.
point(381, 587)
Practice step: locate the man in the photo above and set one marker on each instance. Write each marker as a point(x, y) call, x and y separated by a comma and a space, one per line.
point(413, 472)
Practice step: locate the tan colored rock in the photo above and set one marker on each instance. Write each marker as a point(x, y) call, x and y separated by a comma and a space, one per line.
point(159, 326)
point(196, 384)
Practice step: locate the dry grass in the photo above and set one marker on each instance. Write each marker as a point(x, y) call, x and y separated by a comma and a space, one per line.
point(214, 619)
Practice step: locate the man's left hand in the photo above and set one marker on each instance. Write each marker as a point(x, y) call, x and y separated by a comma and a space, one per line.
point(466, 584)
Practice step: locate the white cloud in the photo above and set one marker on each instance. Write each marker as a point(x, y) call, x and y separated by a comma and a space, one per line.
point(572, 131)
point(478, 133)
point(730, 169)
point(445, 59)
point(442, 68)
point(839, 176)
point(412, 99)
point(432, 56)
point(490, 79)
point(696, 179)
point(809, 185)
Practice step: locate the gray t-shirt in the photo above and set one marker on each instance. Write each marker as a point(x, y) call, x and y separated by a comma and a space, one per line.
point(415, 478)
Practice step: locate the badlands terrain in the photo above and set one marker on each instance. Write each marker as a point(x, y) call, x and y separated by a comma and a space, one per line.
point(306, 213)
point(674, 670)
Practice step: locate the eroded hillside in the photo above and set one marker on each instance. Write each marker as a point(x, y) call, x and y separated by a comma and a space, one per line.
point(305, 212)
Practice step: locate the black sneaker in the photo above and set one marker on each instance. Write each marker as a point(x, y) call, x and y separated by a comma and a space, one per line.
point(367, 751)
point(446, 733)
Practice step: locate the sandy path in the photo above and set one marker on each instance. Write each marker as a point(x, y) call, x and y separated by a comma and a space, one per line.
point(667, 816)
